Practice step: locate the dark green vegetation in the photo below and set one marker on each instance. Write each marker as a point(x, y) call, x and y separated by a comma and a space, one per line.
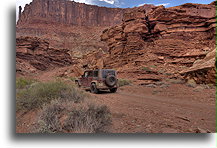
point(122, 82)
point(63, 108)
point(38, 94)
point(22, 83)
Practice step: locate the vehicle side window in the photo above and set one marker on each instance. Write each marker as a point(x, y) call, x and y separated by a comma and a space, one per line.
point(90, 74)
point(86, 74)
point(108, 72)
point(95, 74)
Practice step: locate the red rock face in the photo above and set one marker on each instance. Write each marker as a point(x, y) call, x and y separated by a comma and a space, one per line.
point(69, 12)
point(34, 54)
point(204, 70)
point(67, 24)
point(170, 39)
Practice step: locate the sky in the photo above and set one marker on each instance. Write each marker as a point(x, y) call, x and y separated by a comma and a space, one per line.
point(126, 3)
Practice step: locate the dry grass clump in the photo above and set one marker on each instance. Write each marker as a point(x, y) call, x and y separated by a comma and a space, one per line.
point(64, 108)
point(68, 117)
point(22, 83)
point(40, 93)
point(122, 82)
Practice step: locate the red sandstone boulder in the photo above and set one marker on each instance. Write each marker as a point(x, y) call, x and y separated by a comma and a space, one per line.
point(204, 70)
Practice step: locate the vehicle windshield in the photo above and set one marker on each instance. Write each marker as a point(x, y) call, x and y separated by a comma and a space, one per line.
point(105, 73)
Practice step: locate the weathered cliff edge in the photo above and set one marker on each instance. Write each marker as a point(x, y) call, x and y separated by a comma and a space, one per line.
point(67, 24)
point(168, 39)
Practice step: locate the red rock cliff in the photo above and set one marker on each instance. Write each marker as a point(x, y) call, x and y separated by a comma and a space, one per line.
point(69, 12)
point(169, 39)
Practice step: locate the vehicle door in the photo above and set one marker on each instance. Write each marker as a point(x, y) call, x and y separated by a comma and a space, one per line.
point(89, 78)
point(84, 79)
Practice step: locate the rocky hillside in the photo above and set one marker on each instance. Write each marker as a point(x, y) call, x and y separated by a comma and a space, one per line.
point(34, 55)
point(161, 41)
point(147, 43)
point(67, 24)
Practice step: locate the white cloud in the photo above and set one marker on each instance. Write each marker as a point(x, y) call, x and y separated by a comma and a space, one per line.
point(144, 4)
point(116, 3)
point(141, 4)
point(109, 1)
point(84, 1)
point(165, 4)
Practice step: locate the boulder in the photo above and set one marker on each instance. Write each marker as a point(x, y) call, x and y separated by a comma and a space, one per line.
point(204, 70)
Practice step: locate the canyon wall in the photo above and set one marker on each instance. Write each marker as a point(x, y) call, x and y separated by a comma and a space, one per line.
point(168, 39)
point(34, 54)
point(69, 12)
point(67, 24)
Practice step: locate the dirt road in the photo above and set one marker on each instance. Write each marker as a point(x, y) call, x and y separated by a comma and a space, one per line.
point(176, 108)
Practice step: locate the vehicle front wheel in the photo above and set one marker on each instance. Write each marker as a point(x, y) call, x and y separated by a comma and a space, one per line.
point(113, 90)
point(77, 83)
point(93, 89)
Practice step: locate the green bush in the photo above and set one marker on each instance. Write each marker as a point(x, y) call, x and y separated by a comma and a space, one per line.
point(122, 82)
point(42, 93)
point(68, 117)
point(23, 83)
point(73, 79)
point(146, 69)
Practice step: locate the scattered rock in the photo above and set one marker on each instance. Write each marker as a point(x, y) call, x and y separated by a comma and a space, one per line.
point(183, 118)
point(191, 83)
point(169, 130)
point(198, 89)
point(151, 85)
point(200, 130)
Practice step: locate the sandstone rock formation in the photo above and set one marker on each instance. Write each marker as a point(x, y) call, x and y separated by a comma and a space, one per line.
point(146, 43)
point(69, 12)
point(67, 24)
point(203, 71)
point(34, 54)
point(168, 39)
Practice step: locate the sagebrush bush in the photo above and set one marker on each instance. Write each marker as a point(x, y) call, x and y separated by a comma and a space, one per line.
point(146, 69)
point(68, 117)
point(122, 82)
point(73, 79)
point(23, 82)
point(42, 93)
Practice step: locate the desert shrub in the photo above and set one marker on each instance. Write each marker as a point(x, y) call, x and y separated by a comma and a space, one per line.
point(191, 83)
point(42, 93)
point(22, 83)
point(176, 81)
point(68, 117)
point(146, 69)
point(73, 79)
point(122, 82)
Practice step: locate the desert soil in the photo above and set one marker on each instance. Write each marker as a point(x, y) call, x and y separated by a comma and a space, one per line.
point(175, 108)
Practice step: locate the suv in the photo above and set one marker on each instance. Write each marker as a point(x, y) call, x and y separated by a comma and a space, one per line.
point(100, 79)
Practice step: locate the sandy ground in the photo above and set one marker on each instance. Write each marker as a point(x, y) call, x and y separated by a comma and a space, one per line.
point(176, 108)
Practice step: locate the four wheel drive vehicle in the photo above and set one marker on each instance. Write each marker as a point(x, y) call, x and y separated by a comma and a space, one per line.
point(100, 79)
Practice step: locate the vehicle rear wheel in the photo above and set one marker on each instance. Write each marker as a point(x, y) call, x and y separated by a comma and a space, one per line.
point(113, 90)
point(93, 88)
point(110, 80)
